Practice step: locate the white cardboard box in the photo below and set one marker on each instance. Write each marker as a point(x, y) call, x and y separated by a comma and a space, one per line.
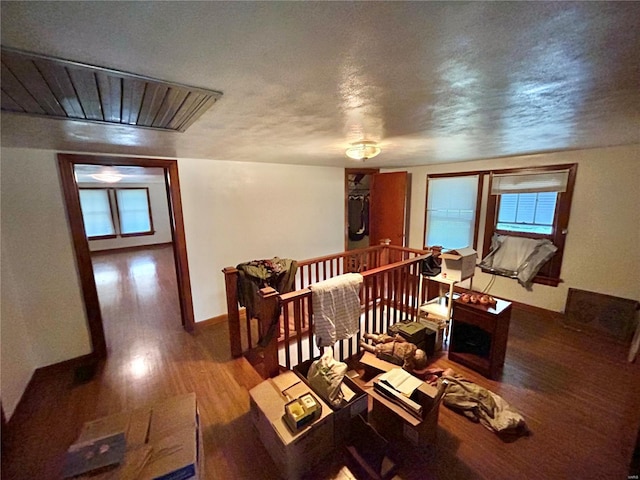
point(458, 264)
point(293, 453)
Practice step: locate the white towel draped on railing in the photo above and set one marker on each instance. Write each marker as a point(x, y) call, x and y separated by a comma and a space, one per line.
point(336, 308)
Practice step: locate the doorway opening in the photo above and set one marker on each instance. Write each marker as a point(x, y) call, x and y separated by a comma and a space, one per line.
point(176, 247)
point(375, 208)
point(358, 197)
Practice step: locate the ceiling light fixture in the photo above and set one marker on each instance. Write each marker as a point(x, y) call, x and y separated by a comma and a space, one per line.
point(363, 150)
point(107, 176)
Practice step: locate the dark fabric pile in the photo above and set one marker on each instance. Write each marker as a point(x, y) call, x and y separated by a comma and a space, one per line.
point(277, 273)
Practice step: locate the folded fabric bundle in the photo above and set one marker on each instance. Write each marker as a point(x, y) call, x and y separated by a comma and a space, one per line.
point(325, 377)
point(336, 308)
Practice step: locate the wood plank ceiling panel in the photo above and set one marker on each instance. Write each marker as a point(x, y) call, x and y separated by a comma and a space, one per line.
point(132, 92)
point(26, 71)
point(86, 86)
point(110, 88)
point(57, 77)
point(12, 87)
point(151, 102)
point(39, 85)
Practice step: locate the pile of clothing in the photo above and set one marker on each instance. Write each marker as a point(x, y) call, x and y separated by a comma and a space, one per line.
point(277, 273)
point(477, 403)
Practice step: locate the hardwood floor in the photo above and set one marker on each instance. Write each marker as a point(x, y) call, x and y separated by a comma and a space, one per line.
point(580, 397)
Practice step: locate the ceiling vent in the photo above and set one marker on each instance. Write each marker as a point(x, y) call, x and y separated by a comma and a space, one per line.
point(46, 86)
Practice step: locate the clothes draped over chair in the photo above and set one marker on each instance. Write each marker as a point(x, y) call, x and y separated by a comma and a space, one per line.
point(336, 308)
point(278, 273)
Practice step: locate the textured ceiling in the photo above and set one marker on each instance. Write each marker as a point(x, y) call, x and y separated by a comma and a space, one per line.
point(431, 81)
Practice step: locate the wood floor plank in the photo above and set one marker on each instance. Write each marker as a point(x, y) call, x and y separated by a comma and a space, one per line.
point(577, 392)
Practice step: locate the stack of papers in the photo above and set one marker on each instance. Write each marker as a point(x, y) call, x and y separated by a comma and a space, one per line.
point(398, 385)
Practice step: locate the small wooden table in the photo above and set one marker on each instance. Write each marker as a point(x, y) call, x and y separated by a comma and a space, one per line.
point(479, 335)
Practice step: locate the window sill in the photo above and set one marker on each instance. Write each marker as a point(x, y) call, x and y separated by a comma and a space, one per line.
point(140, 234)
point(102, 237)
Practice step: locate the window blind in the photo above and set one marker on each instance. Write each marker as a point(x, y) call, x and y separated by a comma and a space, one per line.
point(530, 182)
point(133, 207)
point(451, 208)
point(96, 212)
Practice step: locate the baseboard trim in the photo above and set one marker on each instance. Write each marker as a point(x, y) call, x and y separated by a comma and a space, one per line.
point(212, 321)
point(221, 319)
point(51, 370)
point(131, 248)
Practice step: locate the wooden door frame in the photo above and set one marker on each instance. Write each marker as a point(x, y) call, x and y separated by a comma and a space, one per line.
point(66, 163)
point(347, 172)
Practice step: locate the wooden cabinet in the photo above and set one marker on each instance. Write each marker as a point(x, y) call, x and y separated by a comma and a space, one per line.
point(479, 336)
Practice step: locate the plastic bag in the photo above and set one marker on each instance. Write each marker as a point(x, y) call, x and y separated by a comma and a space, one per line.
point(325, 377)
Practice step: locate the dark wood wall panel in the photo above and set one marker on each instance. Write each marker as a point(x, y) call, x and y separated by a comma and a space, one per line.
point(40, 85)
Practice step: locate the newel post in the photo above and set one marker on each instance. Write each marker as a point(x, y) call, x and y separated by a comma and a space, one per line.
point(268, 314)
point(233, 313)
point(384, 254)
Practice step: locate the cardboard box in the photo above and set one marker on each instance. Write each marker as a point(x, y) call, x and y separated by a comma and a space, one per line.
point(385, 418)
point(176, 439)
point(343, 413)
point(293, 453)
point(437, 328)
point(388, 417)
point(164, 440)
point(458, 264)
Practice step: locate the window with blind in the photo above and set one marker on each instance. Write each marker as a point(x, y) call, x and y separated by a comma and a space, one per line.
point(134, 211)
point(452, 211)
point(533, 203)
point(96, 213)
point(113, 212)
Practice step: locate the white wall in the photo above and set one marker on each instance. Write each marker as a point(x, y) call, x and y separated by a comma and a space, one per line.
point(17, 357)
point(602, 251)
point(235, 212)
point(39, 276)
point(159, 213)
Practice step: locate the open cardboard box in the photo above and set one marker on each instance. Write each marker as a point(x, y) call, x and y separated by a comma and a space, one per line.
point(164, 440)
point(294, 453)
point(387, 416)
point(458, 264)
point(344, 412)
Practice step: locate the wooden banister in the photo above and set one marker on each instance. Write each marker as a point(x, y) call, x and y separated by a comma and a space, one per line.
point(233, 313)
point(389, 294)
point(269, 314)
